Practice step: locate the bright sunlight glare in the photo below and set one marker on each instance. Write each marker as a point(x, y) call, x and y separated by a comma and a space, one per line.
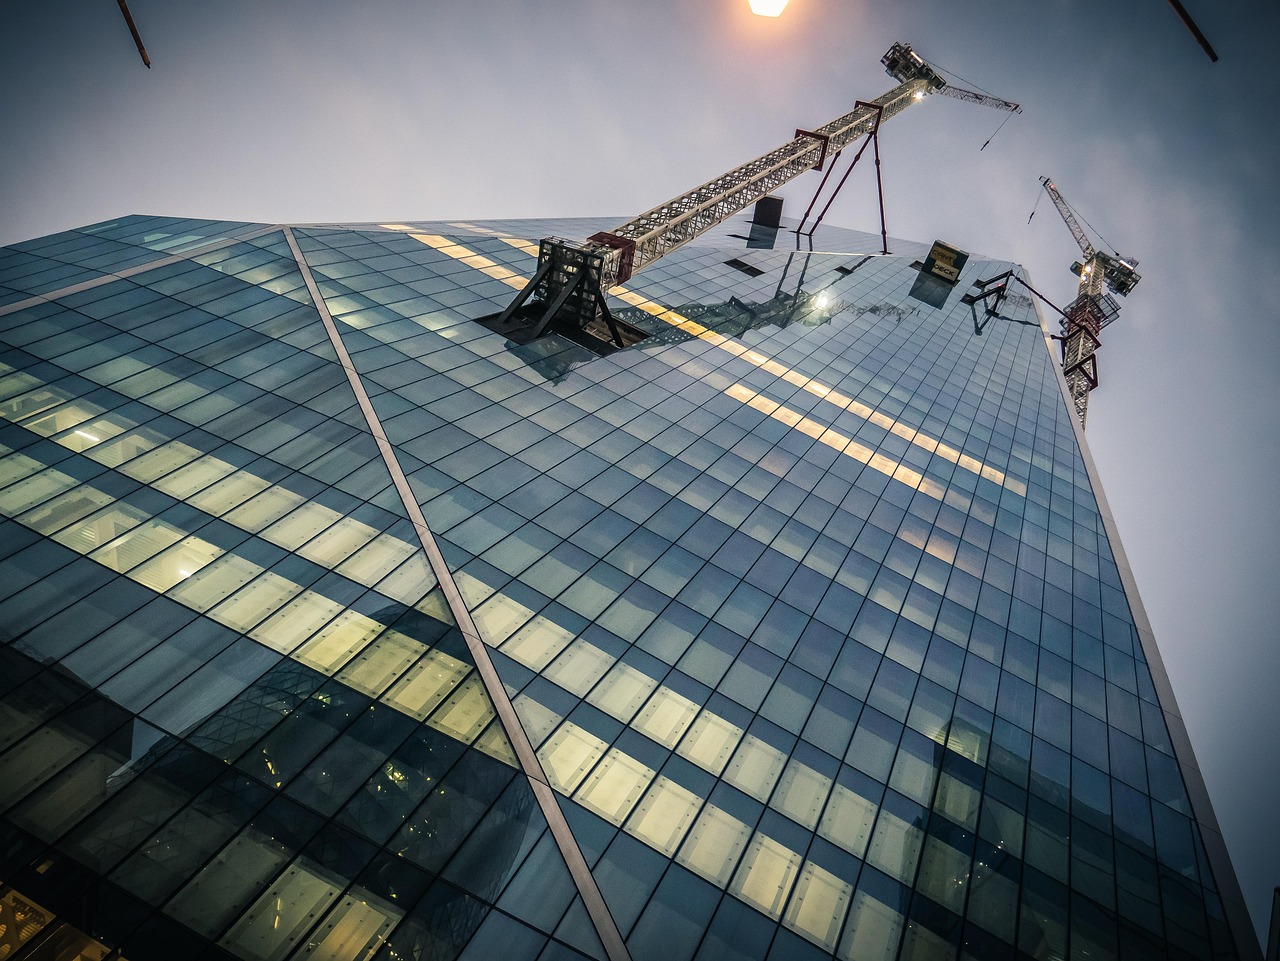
point(767, 8)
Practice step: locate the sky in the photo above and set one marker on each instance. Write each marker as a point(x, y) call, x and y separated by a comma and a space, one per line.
point(306, 111)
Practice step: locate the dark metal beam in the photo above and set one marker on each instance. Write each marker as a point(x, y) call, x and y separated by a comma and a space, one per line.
point(1185, 17)
point(133, 29)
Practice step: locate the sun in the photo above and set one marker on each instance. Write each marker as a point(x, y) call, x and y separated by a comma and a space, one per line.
point(767, 8)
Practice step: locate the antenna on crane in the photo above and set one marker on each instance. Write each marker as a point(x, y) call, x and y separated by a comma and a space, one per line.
point(1084, 317)
point(567, 291)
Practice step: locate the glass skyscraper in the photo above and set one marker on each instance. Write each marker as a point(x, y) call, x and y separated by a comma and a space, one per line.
point(338, 623)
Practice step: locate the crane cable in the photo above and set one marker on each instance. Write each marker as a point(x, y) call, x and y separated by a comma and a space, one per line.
point(1036, 206)
point(961, 79)
point(996, 131)
point(1105, 242)
point(1040, 193)
point(978, 88)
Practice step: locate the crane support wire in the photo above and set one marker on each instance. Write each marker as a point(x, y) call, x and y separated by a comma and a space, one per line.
point(1096, 231)
point(1035, 206)
point(1074, 212)
point(997, 130)
point(952, 73)
point(980, 89)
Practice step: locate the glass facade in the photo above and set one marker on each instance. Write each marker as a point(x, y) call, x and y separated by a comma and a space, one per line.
point(336, 625)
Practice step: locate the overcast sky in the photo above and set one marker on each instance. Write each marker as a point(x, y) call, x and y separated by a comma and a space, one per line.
point(304, 111)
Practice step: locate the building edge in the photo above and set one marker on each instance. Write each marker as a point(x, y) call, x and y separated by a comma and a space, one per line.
point(1237, 911)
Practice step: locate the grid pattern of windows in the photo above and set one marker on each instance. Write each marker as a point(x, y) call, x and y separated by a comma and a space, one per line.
point(804, 605)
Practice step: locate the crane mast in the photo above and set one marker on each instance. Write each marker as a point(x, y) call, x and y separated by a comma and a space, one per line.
point(1092, 309)
point(572, 276)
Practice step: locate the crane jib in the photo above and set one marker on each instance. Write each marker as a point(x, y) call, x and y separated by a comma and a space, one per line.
point(610, 257)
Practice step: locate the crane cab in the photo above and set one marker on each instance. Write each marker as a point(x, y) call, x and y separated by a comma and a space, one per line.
point(905, 65)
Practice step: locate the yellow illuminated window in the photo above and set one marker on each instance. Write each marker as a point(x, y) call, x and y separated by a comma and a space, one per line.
point(622, 691)
point(124, 446)
point(282, 914)
point(710, 741)
point(380, 663)
point(536, 718)
point(295, 622)
point(499, 617)
point(895, 847)
point(872, 932)
point(663, 815)
point(801, 793)
point(32, 402)
point(58, 512)
point(568, 755)
point(176, 563)
point(537, 643)
point(766, 875)
point(615, 786)
point(298, 527)
point(579, 667)
point(957, 801)
point(265, 595)
point(847, 820)
point(494, 742)
point(913, 776)
point(145, 541)
point(427, 683)
point(22, 919)
point(158, 461)
point(408, 582)
point(755, 767)
point(220, 579)
point(200, 473)
point(818, 907)
point(338, 641)
point(271, 504)
point(63, 418)
point(714, 843)
point(466, 713)
point(355, 928)
point(339, 542)
point(97, 529)
point(666, 717)
point(227, 493)
point(376, 559)
point(14, 467)
point(35, 489)
point(435, 606)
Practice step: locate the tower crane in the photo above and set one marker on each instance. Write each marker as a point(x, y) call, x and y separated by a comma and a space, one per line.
point(572, 276)
point(1092, 309)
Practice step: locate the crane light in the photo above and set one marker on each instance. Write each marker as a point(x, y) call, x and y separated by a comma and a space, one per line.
point(919, 94)
point(767, 8)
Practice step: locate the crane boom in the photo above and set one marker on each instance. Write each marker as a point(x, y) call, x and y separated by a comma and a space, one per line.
point(982, 99)
point(1069, 216)
point(572, 276)
point(668, 226)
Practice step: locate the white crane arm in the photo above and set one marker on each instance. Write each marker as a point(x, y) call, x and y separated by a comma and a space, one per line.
point(985, 99)
point(1086, 248)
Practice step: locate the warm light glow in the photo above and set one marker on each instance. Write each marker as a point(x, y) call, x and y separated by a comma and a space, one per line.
point(767, 8)
point(919, 94)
